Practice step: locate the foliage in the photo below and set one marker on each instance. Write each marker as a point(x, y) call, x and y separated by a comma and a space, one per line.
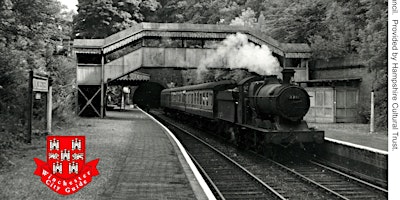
point(373, 48)
point(101, 18)
point(246, 18)
point(30, 32)
point(114, 95)
point(198, 12)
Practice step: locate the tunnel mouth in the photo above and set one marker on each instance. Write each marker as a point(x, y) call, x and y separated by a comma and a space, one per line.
point(147, 95)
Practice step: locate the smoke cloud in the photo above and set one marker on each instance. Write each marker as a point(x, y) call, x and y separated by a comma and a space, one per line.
point(236, 52)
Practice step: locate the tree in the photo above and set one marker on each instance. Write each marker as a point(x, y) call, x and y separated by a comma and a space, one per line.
point(247, 18)
point(298, 21)
point(101, 18)
point(373, 49)
point(198, 12)
point(171, 11)
point(29, 33)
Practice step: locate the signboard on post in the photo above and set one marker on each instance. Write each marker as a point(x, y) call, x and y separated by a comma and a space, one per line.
point(38, 83)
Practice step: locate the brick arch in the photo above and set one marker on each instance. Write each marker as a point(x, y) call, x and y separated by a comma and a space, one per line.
point(147, 95)
point(164, 76)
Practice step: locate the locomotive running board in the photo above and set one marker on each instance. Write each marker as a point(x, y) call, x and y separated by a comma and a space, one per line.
point(283, 135)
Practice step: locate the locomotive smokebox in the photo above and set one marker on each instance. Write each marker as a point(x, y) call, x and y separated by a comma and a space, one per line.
point(287, 75)
point(270, 79)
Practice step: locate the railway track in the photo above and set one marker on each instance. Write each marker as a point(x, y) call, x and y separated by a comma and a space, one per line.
point(337, 183)
point(228, 179)
point(297, 179)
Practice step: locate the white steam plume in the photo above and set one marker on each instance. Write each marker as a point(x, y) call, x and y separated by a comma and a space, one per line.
point(235, 52)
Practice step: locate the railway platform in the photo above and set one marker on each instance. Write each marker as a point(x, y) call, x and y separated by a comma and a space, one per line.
point(154, 165)
point(354, 135)
point(138, 159)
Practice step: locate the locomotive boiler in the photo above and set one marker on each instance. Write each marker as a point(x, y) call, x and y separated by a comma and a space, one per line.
point(253, 112)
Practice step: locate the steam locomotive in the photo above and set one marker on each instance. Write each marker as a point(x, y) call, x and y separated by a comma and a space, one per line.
point(254, 112)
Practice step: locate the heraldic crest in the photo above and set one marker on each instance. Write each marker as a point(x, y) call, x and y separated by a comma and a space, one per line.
point(65, 171)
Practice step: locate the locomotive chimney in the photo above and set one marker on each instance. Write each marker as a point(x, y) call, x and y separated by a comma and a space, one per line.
point(287, 75)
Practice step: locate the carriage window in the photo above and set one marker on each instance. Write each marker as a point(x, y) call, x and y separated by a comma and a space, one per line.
point(200, 98)
point(203, 99)
point(211, 98)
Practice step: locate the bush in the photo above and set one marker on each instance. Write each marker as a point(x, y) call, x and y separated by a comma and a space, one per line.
point(364, 113)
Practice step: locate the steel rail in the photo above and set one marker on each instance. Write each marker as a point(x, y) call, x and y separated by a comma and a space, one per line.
point(220, 195)
point(350, 177)
point(259, 181)
point(298, 174)
point(310, 180)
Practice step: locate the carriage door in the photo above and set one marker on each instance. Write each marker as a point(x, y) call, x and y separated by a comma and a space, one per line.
point(322, 107)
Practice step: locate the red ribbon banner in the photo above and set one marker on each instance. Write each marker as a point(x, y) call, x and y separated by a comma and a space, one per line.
point(66, 186)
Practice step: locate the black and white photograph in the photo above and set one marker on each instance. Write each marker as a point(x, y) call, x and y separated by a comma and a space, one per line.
point(199, 99)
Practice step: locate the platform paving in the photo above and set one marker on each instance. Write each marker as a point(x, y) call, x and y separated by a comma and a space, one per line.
point(149, 167)
point(138, 160)
point(358, 134)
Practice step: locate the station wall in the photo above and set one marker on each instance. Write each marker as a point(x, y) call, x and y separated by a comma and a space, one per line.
point(348, 67)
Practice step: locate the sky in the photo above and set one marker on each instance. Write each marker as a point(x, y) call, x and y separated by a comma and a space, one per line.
point(71, 4)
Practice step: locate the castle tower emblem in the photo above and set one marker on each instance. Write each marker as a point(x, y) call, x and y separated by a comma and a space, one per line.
point(76, 144)
point(57, 168)
point(54, 144)
point(73, 168)
point(65, 155)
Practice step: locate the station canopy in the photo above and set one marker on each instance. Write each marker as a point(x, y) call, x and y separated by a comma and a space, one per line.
point(134, 78)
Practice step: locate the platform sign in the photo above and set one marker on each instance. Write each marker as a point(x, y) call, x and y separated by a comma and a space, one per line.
point(40, 84)
point(37, 84)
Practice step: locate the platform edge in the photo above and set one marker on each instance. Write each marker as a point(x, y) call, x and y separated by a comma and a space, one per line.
point(193, 168)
